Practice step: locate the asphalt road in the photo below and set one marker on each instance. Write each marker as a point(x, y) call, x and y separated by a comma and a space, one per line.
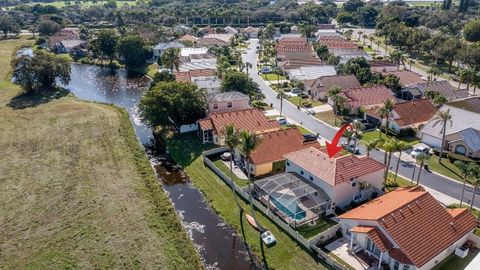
point(434, 181)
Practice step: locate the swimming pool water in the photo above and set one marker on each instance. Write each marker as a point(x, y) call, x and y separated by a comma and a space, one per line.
point(291, 210)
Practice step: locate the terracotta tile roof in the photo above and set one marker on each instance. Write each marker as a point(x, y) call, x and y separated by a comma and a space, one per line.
point(322, 85)
point(362, 229)
point(337, 42)
point(186, 76)
point(366, 96)
point(187, 38)
point(408, 215)
point(399, 256)
point(443, 87)
point(380, 240)
point(211, 41)
point(292, 44)
point(333, 170)
point(64, 34)
point(410, 112)
point(275, 144)
point(249, 119)
point(406, 77)
point(382, 64)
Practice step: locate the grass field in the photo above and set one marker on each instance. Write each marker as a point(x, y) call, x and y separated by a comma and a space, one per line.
point(77, 190)
point(286, 254)
point(454, 262)
point(329, 118)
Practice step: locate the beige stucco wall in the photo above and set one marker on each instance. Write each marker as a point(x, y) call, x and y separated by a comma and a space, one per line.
point(223, 106)
point(262, 169)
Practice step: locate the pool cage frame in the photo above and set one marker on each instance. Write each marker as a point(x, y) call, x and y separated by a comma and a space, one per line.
point(314, 201)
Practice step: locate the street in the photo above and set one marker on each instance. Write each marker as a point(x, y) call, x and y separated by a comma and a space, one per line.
point(433, 181)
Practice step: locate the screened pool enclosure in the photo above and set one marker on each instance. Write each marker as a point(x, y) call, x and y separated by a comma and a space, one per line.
point(292, 198)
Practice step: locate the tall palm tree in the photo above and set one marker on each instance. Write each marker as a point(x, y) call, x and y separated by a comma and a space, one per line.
point(281, 95)
point(364, 38)
point(400, 147)
point(388, 104)
point(388, 147)
point(171, 59)
point(348, 133)
point(410, 62)
point(231, 137)
point(465, 169)
point(421, 157)
point(475, 174)
point(370, 145)
point(382, 113)
point(334, 95)
point(364, 185)
point(359, 33)
point(249, 141)
point(357, 127)
point(443, 118)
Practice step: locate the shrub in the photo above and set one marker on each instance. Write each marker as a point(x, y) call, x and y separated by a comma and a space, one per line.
point(259, 104)
point(307, 104)
point(452, 157)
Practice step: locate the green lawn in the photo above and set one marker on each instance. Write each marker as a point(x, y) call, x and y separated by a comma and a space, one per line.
point(400, 182)
point(321, 225)
point(446, 168)
point(226, 170)
point(77, 190)
point(273, 77)
point(329, 118)
point(296, 100)
point(375, 134)
point(186, 149)
point(152, 70)
point(454, 262)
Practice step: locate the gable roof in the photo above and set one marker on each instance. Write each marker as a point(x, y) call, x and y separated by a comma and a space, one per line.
point(228, 96)
point(471, 137)
point(311, 72)
point(333, 170)
point(337, 42)
point(410, 112)
point(275, 144)
point(251, 119)
point(443, 87)
point(366, 96)
point(406, 77)
point(470, 104)
point(63, 34)
point(187, 76)
point(211, 41)
point(408, 215)
point(187, 37)
point(461, 120)
point(324, 84)
point(378, 238)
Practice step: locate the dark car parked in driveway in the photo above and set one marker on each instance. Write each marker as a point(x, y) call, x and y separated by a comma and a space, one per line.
point(309, 137)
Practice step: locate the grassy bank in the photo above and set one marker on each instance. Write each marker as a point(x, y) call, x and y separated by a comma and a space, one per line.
point(77, 190)
point(186, 150)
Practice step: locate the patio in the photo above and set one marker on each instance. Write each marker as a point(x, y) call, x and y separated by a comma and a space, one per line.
point(359, 261)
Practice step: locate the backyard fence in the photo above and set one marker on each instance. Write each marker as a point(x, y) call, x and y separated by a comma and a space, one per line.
point(308, 244)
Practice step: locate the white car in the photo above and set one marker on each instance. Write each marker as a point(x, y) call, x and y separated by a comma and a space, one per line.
point(418, 150)
point(282, 121)
point(268, 238)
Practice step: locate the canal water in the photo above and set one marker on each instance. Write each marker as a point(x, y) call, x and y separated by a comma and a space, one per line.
point(218, 244)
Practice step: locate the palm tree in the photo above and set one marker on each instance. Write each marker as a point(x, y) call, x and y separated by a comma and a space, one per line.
point(232, 141)
point(465, 169)
point(382, 113)
point(410, 62)
point(348, 133)
point(421, 157)
point(475, 174)
point(370, 145)
point(433, 73)
point(334, 95)
point(171, 59)
point(249, 141)
point(359, 33)
point(281, 95)
point(348, 33)
point(357, 127)
point(400, 147)
point(442, 117)
point(389, 147)
point(370, 38)
point(364, 38)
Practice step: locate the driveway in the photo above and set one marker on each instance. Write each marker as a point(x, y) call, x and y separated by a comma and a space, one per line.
point(431, 180)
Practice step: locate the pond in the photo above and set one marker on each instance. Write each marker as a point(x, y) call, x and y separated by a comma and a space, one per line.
point(218, 244)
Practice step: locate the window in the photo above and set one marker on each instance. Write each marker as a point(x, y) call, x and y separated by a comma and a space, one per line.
point(229, 104)
point(311, 178)
point(406, 267)
point(396, 265)
point(215, 106)
point(288, 163)
point(301, 172)
point(460, 149)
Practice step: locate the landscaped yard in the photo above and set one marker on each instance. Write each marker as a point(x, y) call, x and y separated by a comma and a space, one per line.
point(287, 254)
point(445, 168)
point(77, 190)
point(296, 101)
point(400, 182)
point(329, 118)
point(226, 170)
point(454, 262)
point(309, 231)
point(375, 134)
point(273, 77)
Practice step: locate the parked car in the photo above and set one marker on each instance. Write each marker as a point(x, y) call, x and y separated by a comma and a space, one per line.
point(351, 148)
point(282, 120)
point(296, 90)
point(309, 137)
point(265, 70)
point(367, 125)
point(418, 150)
point(226, 156)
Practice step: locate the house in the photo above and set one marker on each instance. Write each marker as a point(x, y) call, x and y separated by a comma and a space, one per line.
point(336, 42)
point(461, 136)
point(366, 97)
point(294, 52)
point(417, 91)
point(251, 32)
point(347, 54)
point(212, 42)
point(200, 55)
point(228, 101)
point(63, 35)
point(319, 87)
point(187, 38)
point(190, 75)
point(181, 29)
point(162, 46)
point(383, 66)
point(230, 30)
point(406, 229)
point(211, 84)
point(406, 77)
point(210, 63)
point(311, 72)
point(405, 115)
point(211, 127)
point(268, 157)
point(76, 47)
point(470, 104)
point(296, 60)
point(340, 177)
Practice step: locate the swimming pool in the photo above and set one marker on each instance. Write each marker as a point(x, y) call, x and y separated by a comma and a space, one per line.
point(292, 210)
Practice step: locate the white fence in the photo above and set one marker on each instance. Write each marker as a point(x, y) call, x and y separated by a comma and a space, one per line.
point(308, 244)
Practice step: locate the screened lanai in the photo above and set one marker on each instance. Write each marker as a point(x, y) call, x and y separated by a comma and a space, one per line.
point(292, 198)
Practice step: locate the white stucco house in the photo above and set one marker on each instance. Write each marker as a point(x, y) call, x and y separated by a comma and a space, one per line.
point(406, 229)
point(343, 178)
point(228, 101)
point(162, 46)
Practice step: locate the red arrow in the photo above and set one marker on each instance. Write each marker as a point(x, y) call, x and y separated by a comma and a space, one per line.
point(333, 148)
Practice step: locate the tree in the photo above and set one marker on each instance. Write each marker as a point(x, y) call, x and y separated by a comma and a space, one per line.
point(334, 95)
point(383, 113)
point(281, 95)
point(132, 51)
point(353, 5)
point(388, 105)
point(48, 27)
point(357, 127)
point(105, 43)
point(364, 185)
point(364, 38)
point(269, 31)
point(474, 171)
point(370, 145)
point(40, 70)
point(392, 82)
point(465, 169)
point(163, 76)
point(443, 118)
point(8, 25)
point(421, 157)
point(389, 146)
point(249, 142)
point(471, 31)
point(433, 73)
point(446, 4)
point(172, 104)
point(410, 62)
point(171, 59)
point(448, 50)
point(400, 147)
point(238, 81)
point(322, 51)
